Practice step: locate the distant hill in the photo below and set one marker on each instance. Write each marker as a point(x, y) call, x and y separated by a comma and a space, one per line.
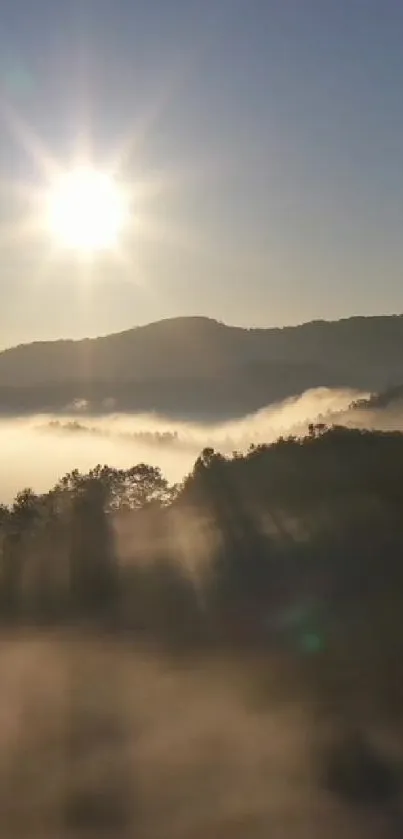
point(194, 366)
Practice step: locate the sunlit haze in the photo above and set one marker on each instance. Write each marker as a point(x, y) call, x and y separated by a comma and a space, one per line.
point(262, 142)
point(39, 449)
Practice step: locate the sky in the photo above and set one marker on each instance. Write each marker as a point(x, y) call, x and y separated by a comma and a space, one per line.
point(262, 140)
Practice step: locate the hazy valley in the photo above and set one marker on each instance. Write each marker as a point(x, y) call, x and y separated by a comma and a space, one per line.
point(234, 568)
point(163, 392)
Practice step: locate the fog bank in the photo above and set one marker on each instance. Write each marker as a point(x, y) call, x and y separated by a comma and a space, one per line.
point(38, 450)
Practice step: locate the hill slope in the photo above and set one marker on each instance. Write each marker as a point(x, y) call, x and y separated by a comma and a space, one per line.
point(199, 366)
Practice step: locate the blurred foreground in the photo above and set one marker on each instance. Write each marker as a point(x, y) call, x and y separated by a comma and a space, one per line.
point(99, 737)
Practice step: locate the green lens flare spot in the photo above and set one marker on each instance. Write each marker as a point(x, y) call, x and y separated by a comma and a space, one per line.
point(311, 643)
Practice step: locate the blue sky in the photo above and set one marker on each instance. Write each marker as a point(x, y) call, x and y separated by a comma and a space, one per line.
point(272, 131)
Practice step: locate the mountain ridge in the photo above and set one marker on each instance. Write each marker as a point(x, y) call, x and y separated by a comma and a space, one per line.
point(177, 319)
point(203, 365)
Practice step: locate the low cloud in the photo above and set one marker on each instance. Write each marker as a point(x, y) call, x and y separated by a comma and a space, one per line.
point(36, 451)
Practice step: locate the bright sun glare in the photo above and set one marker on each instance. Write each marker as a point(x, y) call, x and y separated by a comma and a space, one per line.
point(86, 211)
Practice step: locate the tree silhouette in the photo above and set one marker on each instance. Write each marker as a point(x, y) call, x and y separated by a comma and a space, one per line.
point(306, 543)
point(94, 575)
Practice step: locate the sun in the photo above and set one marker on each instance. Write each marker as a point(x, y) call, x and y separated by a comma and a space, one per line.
point(86, 211)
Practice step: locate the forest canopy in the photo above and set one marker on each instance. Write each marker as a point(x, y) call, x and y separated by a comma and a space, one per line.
point(239, 543)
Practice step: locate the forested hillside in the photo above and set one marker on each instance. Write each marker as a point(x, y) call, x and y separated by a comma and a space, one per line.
point(304, 531)
point(201, 368)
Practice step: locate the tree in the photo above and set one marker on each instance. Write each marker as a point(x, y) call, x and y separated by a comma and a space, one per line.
point(93, 566)
point(19, 526)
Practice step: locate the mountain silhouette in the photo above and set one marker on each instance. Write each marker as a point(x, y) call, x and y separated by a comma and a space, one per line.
point(195, 366)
